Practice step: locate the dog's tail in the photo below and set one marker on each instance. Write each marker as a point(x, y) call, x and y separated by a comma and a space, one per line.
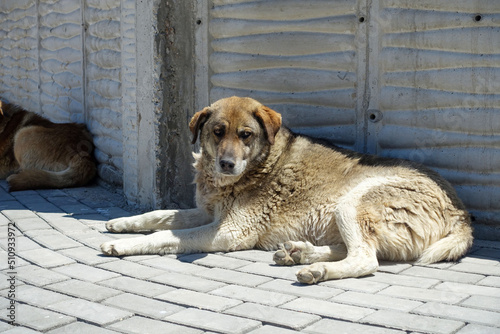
point(79, 172)
point(450, 248)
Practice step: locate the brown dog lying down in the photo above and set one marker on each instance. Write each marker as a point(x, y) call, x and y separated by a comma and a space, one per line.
point(259, 186)
point(43, 154)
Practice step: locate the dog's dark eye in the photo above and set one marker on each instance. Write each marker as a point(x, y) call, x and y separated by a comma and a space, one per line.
point(219, 132)
point(245, 134)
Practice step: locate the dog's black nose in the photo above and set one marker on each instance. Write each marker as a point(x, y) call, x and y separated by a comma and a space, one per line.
point(227, 165)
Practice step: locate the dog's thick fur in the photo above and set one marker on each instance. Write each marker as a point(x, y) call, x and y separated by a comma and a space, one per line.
point(37, 153)
point(259, 186)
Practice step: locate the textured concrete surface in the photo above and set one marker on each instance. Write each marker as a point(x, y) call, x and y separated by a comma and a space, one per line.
point(62, 284)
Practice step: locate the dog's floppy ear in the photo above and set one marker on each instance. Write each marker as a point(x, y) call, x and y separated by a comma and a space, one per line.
point(271, 120)
point(197, 122)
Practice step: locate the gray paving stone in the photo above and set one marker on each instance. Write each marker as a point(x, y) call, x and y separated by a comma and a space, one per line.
point(487, 244)
point(253, 255)
point(21, 330)
point(89, 237)
point(11, 205)
point(21, 193)
point(32, 224)
point(84, 290)
point(77, 209)
point(480, 260)
point(488, 253)
point(253, 295)
point(233, 277)
point(52, 239)
point(138, 325)
point(478, 329)
point(63, 223)
point(393, 267)
point(5, 282)
point(22, 244)
point(483, 302)
point(143, 306)
point(265, 269)
point(39, 276)
point(51, 192)
point(90, 311)
point(5, 326)
point(328, 309)
point(402, 279)
point(460, 313)
point(5, 196)
point(274, 315)
point(15, 211)
point(443, 275)
point(469, 289)
point(87, 255)
point(136, 286)
point(493, 281)
point(140, 258)
point(3, 220)
point(477, 268)
point(46, 258)
point(329, 326)
point(110, 212)
point(302, 290)
point(40, 319)
point(131, 269)
point(267, 329)
point(39, 204)
point(37, 296)
point(356, 284)
point(211, 321)
point(199, 300)
point(172, 264)
point(425, 295)
point(85, 273)
point(81, 327)
point(376, 301)
point(214, 260)
point(413, 322)
point(187, 282)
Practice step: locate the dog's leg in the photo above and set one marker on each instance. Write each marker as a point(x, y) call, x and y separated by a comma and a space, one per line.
point(299, 252)
point(361, 257)
point(160, 220)
point(214, 237)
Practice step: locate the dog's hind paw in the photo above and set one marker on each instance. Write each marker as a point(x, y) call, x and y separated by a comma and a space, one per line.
point(293, 252)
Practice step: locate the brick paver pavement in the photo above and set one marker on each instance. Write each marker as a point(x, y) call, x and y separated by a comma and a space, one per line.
point(62, 284)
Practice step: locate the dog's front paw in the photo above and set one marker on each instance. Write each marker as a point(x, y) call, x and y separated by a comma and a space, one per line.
point(312, 274)
point(112, 248)
point(118, 225)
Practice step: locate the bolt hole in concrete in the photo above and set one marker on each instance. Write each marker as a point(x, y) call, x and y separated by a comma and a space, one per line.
point(478, 18)
point(198, 22)
point(361, 19)
point(374, 116)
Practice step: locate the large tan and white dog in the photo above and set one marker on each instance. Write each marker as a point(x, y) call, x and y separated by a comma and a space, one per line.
point(36, 153)
point(259, 186)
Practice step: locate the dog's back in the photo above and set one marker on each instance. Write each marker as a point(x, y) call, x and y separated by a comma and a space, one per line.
point(45, 154)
